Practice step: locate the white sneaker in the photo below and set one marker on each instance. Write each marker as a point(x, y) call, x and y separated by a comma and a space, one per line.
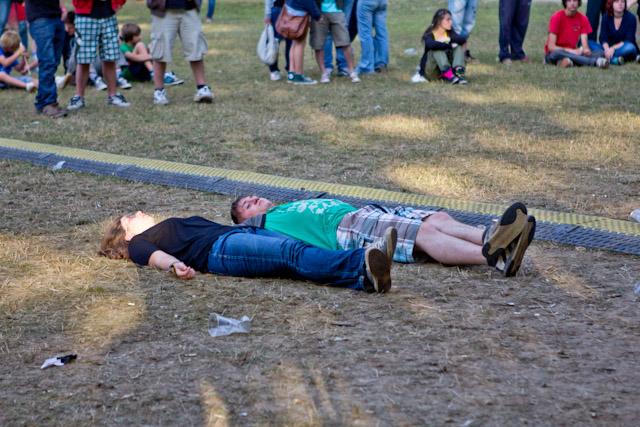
point(275, 76)
point(160, 97)
point(326, 77)
point(63, 81)
point(31, 87)
point(204, 94)
point(354, 77)
point(123, 83)
point(417, 78)
point(118, 100)
point(99, 84)
point(602, 63)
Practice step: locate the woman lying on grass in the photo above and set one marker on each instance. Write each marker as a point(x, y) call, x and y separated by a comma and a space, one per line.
point(186, 245)
point(443, 53)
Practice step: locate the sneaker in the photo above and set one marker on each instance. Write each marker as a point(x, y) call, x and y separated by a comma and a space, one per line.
point(390, 242)
point(469, 58)
point(602, 63)
point(329, 70)
point(354, 77)
point(524, 59)
point(208, 20)
point(417, 78)
point(31, 87)
point(381, 69)
point(459, 73)
point(497, 237)
point(378, 269)
point(63, 81)
point(617, 60)
point(565, 63)
point(160, 97)
point(123, 83)
point(76, 103)
point(204, 94)
point(118, 100)
point(290, 77)
point(301, 79)
point(170, 79)
point(343, 72)
point(275, 76)
point(326, 78)
point(507, 61)
point(450, 77)
point(515, 253)
point(53, 110)
point(99, 84)
point(638, 58)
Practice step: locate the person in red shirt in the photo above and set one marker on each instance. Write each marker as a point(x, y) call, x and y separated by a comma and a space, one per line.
point(567, 27)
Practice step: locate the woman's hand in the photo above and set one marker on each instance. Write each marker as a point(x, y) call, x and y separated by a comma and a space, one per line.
point(183, 271)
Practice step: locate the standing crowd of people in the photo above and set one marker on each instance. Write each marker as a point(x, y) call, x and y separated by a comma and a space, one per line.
point(96, 52)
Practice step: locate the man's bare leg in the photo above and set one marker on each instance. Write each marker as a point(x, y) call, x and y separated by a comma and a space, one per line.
point(444, 223)
point(448, 249)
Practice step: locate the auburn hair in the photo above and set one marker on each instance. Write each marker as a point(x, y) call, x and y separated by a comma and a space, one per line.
point(113, 244)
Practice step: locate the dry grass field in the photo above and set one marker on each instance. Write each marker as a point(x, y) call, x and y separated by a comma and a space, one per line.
point(556, 345)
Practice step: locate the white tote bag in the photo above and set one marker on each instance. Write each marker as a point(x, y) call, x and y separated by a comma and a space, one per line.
point(268, 46)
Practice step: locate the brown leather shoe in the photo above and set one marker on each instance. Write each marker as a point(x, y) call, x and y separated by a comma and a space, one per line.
point(53, 110)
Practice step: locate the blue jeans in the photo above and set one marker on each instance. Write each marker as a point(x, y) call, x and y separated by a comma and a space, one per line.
point(514, 20)
point(275, 12)
point(341, 62)
point(463, 16)
point(375, 49)
point(254, 252)
point(212, 8)
point(627, 50)
point(48, 33)
point(5, 8)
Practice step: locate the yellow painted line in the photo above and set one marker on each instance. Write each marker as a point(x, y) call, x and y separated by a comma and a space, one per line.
point(385, 196)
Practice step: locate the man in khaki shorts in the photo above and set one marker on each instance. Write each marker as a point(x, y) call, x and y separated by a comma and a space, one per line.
point(421, 234)
point(171, 18)
point(332, 19)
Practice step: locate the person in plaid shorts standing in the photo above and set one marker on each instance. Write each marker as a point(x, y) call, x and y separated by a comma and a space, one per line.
point(97, 28)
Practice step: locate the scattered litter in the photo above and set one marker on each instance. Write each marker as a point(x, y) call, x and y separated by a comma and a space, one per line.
point(273, 121)
point(339, 339)
point(635, 215)
point(411, 51)
point(596, 169)
point(220, 326)
point(132, 303)
point(58, 361)
point(58, 165)
point(516, 312)
point(536, 314)
point(35, 123)
point(243, 414)
point(510, 303)
point(636, 290)
point(377, 107)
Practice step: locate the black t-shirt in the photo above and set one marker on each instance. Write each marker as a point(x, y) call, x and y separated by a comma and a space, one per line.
point(37, 9)
point(188, 239)
point(101, 9)
point(180, 4)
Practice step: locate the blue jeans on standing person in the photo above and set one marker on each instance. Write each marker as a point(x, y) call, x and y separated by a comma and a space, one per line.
point(514, 20)
point(48, 33)
point(341, 62)
point(374, 49)
point(275, 12)
point(5, 8)
point(255, 252)
point(212, 8)
point(463, 16)
point(627, 50)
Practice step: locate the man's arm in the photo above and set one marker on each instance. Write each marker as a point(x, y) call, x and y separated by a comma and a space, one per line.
point(164, 261)
point(553, 38)
point(584, 41)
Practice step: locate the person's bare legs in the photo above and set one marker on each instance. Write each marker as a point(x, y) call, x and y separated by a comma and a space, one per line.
point(320, 60)
point(82, 77)
point(109, 77)
point(12, 81)
point(141, 49)
point(348, 56)
point(446, 248)
point(444, 223)
point(198, 72)
point(159, 69)
point(296, 55)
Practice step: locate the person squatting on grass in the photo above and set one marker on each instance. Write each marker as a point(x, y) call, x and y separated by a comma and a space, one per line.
point(169, 19)
point(97, 30)
point(567, 27)
point(333, 19)
point(296, 56)
point(332, 224)
point(10, 51)
point(186, 245)
point(617, 34)
point(443, 55)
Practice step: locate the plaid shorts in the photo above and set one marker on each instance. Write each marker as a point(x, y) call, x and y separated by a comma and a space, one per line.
point(366, 227)
point(94, 33)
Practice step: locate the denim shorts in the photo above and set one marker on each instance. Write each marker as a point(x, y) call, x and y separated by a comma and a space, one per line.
point(94, 33)
point(335, 22)
point(164, 31)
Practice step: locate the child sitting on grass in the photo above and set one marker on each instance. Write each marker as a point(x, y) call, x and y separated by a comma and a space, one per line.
point(10, 50)
point(140, 66)
point(443, 53)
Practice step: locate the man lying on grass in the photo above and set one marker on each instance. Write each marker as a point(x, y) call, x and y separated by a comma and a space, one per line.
point(332, 224)
point(186, 245)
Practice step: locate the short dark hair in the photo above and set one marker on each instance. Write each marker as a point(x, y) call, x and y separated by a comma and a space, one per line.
point(609, 7)
point(564, 3)
point(234, 208)
point(129, 31)
point(70, 18)
point(113, 244)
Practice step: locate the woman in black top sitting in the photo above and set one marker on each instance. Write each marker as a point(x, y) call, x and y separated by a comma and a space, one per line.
point(443, 53)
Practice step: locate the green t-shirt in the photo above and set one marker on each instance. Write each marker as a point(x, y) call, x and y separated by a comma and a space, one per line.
point(312, 221)
point(124, 48)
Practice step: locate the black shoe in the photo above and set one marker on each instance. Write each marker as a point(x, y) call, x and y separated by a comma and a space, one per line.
point(509, 262)
point(459, 72)
point(469, 58)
